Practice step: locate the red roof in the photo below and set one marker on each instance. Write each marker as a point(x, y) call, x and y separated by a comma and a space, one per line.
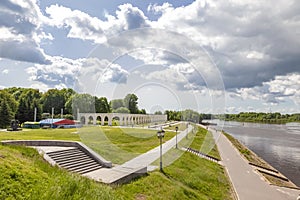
point(65, 122)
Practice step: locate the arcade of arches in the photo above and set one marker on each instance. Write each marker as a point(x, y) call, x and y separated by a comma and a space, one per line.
point(122, 118)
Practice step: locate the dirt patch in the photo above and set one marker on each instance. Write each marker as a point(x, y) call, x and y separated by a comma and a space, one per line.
point(140, 197)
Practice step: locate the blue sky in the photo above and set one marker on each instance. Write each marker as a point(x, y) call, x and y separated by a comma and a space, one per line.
point(210, 56)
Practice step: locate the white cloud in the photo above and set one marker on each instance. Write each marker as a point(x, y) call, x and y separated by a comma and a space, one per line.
point(274, 91)
point(5, 71)
point(64, 72)
point(85, 27)
point(20, 23)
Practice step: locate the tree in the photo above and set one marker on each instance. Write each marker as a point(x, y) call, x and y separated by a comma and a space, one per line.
point(158, 112)
point(121, 110)
point(130, 102)
point(53, 98)
point(5, 113)
point(84, 102)
point(11, 102)
point(29, 100)
point(143, 111)
point(116, 103)
point(102, 105)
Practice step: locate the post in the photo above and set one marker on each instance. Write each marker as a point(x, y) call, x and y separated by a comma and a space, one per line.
point(61, 113)
point(176, 128)
point(187, 127)
point(160, 162)
point(34, 118)
point(160, 135)
point(52, 117)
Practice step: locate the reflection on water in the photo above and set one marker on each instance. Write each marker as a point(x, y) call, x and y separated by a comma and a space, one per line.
point(279, 145)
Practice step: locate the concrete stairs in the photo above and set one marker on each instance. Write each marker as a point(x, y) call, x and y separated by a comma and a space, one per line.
point(75, 160)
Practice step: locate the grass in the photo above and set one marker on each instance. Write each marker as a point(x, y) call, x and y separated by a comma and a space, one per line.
point(253, 158)
point(189, 177)
point(40, 134)
point(25, 175)
point(205, 143)
point(181, 127)
point(120, 144)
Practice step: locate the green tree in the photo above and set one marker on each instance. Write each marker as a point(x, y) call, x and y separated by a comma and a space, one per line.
point(5, 113)
point(29, 100)
point(158, 112)
point(116, 103)
point(84, 102)
point(102, 105)
point(53, 98)
point(121, 110)
point(11, 102)
point(143, 111)
point(130, 102)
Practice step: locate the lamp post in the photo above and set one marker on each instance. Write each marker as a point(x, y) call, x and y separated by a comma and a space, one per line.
point(187, 126)
point(160, 135)
point(176, 128)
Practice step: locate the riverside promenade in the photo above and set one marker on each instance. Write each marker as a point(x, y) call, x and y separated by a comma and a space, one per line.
point(248, 184)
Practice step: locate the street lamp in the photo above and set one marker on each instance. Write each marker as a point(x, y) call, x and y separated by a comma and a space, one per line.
point(160, 135)
point(187, 126)
point(176, 128)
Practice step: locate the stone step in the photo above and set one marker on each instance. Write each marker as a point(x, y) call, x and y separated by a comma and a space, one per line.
point(81, 167)
point(88, 169)
point(62, 157)
point(60, 154)
point(65, 150)
point(75, 160)
point(76, 163)
point(79, 158)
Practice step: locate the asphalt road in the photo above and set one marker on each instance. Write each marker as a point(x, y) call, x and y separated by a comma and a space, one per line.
point(247, 183)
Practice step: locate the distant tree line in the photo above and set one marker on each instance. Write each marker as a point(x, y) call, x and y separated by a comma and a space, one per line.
point(261, 117)
point(20, 103)
point(187, 115)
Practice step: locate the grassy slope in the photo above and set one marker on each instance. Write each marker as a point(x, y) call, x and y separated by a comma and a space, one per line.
point(189, 177)
point(40, 134)
point(120, 144)
point(24, 175)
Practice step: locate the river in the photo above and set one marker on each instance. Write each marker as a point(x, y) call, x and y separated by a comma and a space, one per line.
point(279, 145)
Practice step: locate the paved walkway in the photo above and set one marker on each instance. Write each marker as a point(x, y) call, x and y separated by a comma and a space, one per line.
point(247, 183)
point(140, 164)
point(149, 157)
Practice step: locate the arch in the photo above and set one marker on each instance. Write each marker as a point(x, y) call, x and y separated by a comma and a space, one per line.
point(116, 120)
point(98, 120)
point(90, 120)
point(105, 120)
point(82, 120)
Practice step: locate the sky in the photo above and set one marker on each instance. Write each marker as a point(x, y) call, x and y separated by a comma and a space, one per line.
point(210, 56)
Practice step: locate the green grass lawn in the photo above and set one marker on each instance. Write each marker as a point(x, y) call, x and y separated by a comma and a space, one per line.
point(189, 177)
point(120, 144)
point(25, 175)
point(40, 134)
point(181, 127)
point(205, 143)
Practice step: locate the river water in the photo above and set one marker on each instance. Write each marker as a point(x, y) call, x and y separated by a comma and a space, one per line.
point(279, 145)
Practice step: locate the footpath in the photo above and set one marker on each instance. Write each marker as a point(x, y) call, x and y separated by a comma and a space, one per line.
point(248, 183)
point(140, 164)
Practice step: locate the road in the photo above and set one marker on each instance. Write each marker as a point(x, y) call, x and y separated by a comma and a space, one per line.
point(247, 183)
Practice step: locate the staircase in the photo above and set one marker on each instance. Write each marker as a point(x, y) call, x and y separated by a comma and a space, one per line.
point(74, 160)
